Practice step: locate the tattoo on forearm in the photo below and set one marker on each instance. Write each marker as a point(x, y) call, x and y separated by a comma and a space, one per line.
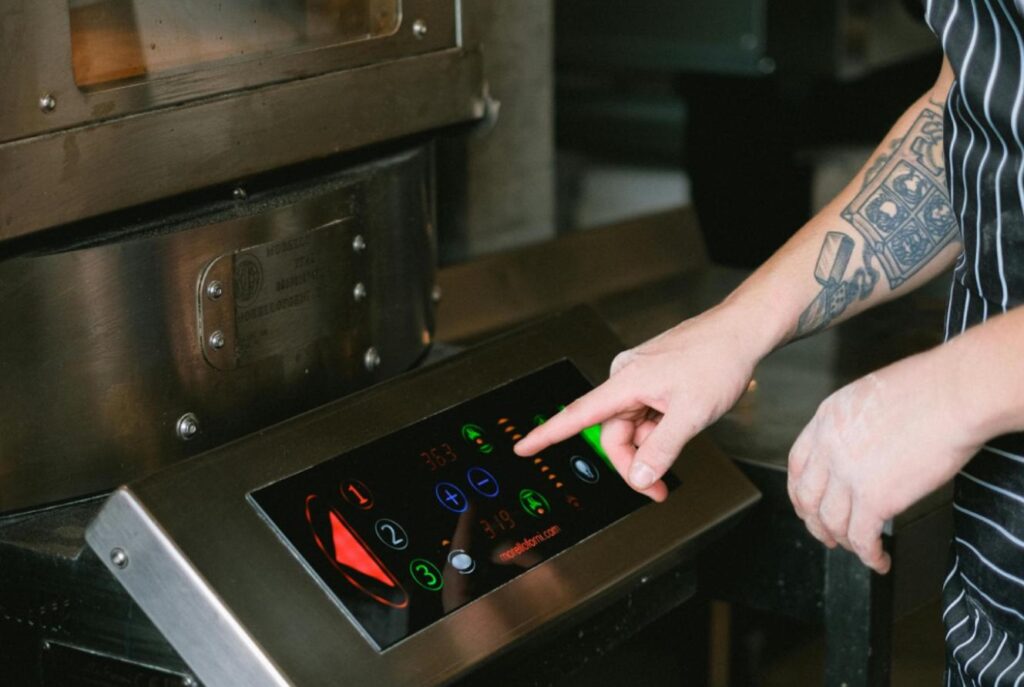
point(902, 213)
point(836, 294)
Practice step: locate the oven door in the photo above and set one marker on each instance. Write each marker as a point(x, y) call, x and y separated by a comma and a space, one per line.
point(110, 104)
point(99, 59)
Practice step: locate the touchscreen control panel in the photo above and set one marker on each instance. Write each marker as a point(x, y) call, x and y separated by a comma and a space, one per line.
point(414, 525)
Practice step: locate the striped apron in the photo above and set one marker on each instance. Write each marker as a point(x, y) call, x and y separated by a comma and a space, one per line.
point(983, 593)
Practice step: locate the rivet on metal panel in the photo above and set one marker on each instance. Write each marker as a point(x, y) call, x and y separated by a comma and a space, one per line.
point(187, 426)
point(358, 243)
point(359, 291)
point(371, 359)
point(46, 645)
point(119, 558)
point(48, 103)
point(188, 681)
point(436, 294)
point(239, 193)
point(214, 290)
point(216, 340)
point(419, 28)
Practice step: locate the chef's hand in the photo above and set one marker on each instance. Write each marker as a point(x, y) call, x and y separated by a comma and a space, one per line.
point(873, 449)
point(660, 394)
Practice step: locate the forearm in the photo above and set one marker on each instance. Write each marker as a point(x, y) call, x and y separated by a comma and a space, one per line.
point(985, 372)
point(890, 230)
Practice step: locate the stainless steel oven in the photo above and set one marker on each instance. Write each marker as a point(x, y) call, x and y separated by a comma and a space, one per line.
point(213, 216)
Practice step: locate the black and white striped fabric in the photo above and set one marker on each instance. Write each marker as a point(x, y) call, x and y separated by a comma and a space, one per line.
point(983, 594)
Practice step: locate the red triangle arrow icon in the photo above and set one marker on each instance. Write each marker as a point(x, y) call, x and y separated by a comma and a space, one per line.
point(350, 552)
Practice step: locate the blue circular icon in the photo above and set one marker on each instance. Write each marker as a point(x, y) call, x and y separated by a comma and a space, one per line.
point(482, 481)
point(451, 497)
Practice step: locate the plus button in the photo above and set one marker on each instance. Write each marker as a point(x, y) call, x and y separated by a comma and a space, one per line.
point(451, 497)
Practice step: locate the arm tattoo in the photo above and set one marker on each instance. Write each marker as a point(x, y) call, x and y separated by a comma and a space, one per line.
point(903, 215)
point(836, 294)
point(903, 211)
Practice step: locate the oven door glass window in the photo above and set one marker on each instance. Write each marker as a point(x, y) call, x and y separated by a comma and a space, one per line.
point(117, 40)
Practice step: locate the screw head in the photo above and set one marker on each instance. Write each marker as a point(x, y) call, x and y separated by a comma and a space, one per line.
point(214, 290)
point(239, 193)
point(187, 426)
point(359, 291)
point(358, 243)
point(119, 558)
point(188, 681)
point(48, 103)
point(216, 340)
point(419, 28)
point(436, 294)
point(371, 359)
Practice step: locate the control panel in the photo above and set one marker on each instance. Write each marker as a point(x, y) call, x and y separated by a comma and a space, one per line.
point(394, 538)
point(412, 526)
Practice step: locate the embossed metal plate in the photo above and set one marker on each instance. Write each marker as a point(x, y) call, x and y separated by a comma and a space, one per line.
point(279, 296)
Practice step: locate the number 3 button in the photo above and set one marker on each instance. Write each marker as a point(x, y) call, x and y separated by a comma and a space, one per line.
point(426, 574)
point(391, 533)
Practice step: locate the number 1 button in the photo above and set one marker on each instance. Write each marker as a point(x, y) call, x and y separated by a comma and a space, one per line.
point(357, 493)
point(391, 533)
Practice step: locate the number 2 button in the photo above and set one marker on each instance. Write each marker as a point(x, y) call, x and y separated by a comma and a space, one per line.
point(391, 533)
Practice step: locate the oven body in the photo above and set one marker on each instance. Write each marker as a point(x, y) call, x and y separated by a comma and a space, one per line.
point(214, 216)
point(231, 320)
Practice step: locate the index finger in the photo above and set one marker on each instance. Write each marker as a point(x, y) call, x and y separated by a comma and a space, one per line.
point(590, 409)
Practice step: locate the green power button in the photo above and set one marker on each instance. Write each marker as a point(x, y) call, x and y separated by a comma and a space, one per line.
point(426, 574)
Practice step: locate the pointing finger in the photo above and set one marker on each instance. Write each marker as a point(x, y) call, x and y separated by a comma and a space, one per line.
point(590, 409)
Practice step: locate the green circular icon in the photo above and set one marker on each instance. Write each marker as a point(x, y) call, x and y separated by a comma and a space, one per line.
point(474, 435)
point(534, 503)
point(426, 574)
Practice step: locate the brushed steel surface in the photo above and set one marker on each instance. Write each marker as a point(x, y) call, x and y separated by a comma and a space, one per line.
point(89, 170)
point(36, 61)
point(102, 348)
point(178, 598)
point(497, 291)
point(201, 506)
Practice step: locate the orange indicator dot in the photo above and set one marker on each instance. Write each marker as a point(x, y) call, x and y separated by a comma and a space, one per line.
point(540, 511)
point(502, 420)
point(552, 476)
point(537, 460)
point(544, 468)
point(510, 428)
point(517, 437)
point(558, 485)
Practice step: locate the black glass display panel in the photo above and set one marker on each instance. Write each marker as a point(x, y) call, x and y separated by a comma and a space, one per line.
point(414, 525)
